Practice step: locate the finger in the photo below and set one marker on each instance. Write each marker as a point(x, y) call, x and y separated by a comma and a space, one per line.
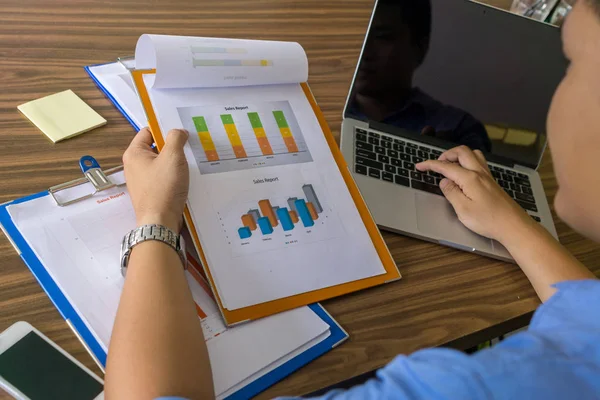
point(143, 139)
point(450, 170)
point(454, 194)
point(140, 147)
point(176, 139)
point(462, 155)
point(481, 158)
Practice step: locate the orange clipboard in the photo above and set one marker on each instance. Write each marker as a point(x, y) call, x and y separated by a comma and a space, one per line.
point(257, 311)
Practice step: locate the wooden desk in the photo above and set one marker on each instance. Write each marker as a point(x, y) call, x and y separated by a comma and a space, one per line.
point(447, 297)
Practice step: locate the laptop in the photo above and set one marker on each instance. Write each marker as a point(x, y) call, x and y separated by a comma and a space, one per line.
point(434, 74)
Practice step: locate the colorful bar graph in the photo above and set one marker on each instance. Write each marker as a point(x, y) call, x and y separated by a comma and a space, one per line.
point(268, 216)
point(265, 225)
point(259, 132)
point(304, 213)
point(267, 211)
point(234, 136)
point(312, 210)
point(294, 217)
point(244, 232)
point(205, 139)
point(286, 132)
point(285, 219)
point(249, 221)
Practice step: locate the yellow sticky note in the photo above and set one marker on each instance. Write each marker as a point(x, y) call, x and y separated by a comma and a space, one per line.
point(62, 115)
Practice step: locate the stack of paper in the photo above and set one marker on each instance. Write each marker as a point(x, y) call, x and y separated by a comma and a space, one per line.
point(272, 204)
point(280, 226)
point(115, 81)
point(78, 246)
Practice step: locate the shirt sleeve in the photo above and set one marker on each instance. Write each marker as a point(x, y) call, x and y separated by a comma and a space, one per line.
point(427, 374)
point(558, 357)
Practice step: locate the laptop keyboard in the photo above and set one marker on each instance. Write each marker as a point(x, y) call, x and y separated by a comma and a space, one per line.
point(393, 160)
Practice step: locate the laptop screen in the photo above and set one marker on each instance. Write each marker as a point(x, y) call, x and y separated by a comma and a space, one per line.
point(461, 72)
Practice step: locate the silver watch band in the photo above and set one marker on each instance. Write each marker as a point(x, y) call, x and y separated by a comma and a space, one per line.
point(151, 232)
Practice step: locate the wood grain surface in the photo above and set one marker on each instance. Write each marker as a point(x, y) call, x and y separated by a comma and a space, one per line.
point(446, 297)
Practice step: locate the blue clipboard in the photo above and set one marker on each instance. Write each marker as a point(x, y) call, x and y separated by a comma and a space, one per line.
point(336, 337)
point(109, 95)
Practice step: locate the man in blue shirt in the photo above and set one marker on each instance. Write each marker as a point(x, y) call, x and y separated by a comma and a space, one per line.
point(157, 348)
point(397, 45)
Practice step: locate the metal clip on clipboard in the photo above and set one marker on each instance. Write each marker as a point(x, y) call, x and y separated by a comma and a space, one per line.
point(93, 174)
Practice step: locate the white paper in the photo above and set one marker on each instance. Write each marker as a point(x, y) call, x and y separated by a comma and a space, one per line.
point(336, 250)
point(79, 247)
point(275, 365)
point(184, 62)
point(117, 80)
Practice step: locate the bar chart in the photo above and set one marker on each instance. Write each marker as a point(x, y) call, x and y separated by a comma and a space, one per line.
point(264, 219)
point(232, 138)
point(295, 213)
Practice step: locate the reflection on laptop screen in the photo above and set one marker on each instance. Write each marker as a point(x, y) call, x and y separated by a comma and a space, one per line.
point(459, 71)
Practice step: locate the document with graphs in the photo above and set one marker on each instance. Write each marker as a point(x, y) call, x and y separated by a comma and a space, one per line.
point(73, 251)
point(272, 207)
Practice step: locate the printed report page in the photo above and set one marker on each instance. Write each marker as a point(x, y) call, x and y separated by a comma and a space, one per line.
point(79, 247)
point(273, 213)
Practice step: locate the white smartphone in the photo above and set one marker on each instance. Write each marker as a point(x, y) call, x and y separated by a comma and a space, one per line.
point(33, 367)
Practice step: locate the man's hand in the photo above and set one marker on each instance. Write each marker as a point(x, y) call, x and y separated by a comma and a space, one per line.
point(481, 205)
point(157, 183)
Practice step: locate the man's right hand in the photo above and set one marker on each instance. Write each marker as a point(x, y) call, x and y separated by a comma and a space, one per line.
point(157, 183)
point(480, 203)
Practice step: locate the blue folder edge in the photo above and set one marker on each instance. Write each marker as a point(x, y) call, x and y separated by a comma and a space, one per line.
point(337, 334)
point(110, 96)
point(44, 278)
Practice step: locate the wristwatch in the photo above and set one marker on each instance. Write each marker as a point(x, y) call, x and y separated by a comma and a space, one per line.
point(151, 232)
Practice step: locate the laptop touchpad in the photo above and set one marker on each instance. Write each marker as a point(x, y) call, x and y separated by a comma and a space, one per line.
point(436, 219)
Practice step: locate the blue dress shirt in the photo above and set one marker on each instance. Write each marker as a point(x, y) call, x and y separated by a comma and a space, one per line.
point(558, 357)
